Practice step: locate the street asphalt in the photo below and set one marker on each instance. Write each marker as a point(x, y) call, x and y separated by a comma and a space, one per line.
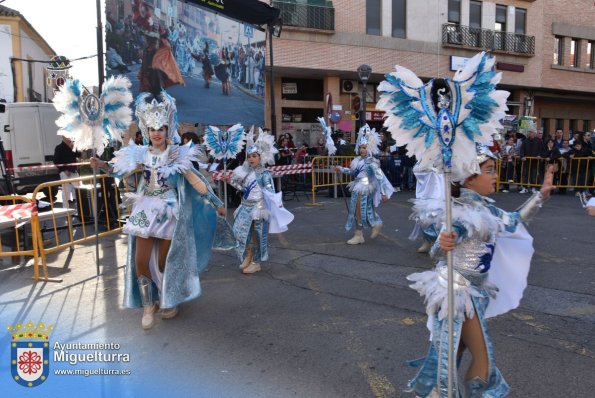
point(322, 319)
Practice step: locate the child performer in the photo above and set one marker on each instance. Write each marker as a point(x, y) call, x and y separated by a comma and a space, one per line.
point(368, 188)
point(491, 256)
point(261, 210)
point(173, 222)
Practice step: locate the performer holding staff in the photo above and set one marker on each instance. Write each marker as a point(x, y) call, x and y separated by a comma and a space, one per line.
point(447, 125)
point(173, 225)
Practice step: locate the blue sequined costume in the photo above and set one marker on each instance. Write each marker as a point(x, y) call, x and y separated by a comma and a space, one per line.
point(252, 215)
point(368, 185)
point(481, 228)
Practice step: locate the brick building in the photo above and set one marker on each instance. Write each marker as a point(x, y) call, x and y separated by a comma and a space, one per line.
point(544, 49)
point(21, 79)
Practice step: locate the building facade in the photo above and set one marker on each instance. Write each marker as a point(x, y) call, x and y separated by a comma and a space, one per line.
point(544, 49)
point(22, 79)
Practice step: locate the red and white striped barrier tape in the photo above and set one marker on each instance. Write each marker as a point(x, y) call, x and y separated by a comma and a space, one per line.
point(17, 212)
point(45, 166)
point(276, 170)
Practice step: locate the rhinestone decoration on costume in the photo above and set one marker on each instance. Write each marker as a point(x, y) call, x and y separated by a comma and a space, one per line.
point(155, 184)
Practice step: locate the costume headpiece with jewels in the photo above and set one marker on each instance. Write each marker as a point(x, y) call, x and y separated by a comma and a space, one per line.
point(441, 121)
point(264, 145)
point(368, 137)
point(91, 121)
point(156, 112)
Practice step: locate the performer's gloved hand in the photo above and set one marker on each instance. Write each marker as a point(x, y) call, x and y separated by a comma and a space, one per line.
point(447, 240)
point(196, 183)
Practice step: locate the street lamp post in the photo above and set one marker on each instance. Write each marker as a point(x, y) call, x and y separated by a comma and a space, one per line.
point(364, 71)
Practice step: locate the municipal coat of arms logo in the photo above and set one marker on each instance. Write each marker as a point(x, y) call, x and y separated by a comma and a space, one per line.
point(30, 353)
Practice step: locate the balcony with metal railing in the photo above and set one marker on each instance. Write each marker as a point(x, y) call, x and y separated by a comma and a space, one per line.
point(316, 14)
point(454, 35)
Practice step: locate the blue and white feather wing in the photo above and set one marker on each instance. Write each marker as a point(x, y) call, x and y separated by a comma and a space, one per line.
point(411, 116)
point(328, 139)
point(479, 107)
point(213, 141)
point(235, 140)
point(67, 101)
point(117, 115)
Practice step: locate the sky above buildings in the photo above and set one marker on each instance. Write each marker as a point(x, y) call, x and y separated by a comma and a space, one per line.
point(69, 27)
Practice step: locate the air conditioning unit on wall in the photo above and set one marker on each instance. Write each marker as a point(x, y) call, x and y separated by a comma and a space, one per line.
point(349, 87)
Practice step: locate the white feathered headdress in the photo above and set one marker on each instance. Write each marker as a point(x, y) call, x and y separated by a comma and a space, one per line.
point(368, 137)
point(264, 145)
point(91, 122)
point(441, 121)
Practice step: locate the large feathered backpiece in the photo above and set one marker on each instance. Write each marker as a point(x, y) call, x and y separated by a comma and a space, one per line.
point(91, 122)
point(442, 120)
point(328, 139)
point(225, 144)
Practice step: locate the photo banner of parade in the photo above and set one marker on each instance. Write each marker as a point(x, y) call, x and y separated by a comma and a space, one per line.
point(212, 65)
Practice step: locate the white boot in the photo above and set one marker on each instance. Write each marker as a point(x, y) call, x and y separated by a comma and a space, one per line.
point(169, 313)
point(247, 259)
point(425, 247)
point(148, 319)
point(358, 238)
point(145, 287)
point(252, 268)
point(376, 231)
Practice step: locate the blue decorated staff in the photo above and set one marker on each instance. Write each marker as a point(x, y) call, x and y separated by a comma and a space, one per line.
point(441, 122)
point(225, 145)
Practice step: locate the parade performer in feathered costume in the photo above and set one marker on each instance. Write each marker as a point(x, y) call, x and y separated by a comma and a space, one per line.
point(261, 210)
point(487, 249)
point(368, 188)
point(173, 225)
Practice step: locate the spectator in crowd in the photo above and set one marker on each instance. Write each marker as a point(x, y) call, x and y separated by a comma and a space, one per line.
point(302, 153)
point(321, 147)
point(64, 157)
point(138, 138)
point(578, 166)
point(575, 136)
point(530, 153)
point(559, 138)
point(285, 153)
point(587, 141)
point(509, 162)
point(551, 155)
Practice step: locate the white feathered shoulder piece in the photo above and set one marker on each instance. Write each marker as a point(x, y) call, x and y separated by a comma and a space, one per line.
point(328, 139)
point(442, 120)
point(91, 122)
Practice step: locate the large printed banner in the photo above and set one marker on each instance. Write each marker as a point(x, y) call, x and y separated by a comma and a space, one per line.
point(212, 65)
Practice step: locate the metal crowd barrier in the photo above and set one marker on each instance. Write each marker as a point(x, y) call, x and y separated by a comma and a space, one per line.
point(568, 172)
point(324, 174)
point(14, 229)
point(77, 220)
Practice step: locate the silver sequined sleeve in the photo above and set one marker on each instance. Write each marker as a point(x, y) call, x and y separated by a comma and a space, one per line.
point(529, 209)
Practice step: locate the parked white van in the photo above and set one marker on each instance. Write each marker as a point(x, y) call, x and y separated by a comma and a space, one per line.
point(28, 135)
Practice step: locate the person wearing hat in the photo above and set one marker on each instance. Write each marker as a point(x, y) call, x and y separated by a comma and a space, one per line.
point(368, 188)
point(173, 219)
point(491, 256)
point(261, 210)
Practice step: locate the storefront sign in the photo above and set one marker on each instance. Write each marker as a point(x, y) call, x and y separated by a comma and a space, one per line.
point(289, 88)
